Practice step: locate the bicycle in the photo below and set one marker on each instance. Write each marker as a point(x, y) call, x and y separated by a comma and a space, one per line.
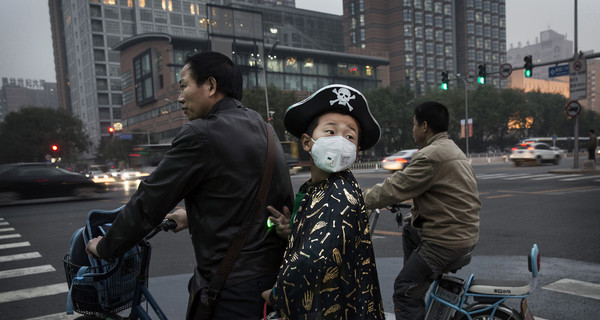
point(453, 298)
point(102, 289)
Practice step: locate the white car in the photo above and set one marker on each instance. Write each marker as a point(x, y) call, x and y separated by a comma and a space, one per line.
point(398, 160)
point(536, 152)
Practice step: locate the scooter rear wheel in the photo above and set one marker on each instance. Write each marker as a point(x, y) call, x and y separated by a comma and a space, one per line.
point(500, 314)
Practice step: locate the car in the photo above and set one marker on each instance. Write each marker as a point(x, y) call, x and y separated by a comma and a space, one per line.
point(534, 152)
point(560, 151)
point(127, 174)
point(398, 160)
point(22, 181)
point(100, 177)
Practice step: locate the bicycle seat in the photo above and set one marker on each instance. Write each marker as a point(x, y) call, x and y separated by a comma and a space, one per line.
point(454, 266)
point(500, 287)
point(458, 263)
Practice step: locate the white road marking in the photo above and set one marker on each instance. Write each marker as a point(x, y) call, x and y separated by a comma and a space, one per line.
point(26, 271)
point(3, 223)
point(57, 316)
point(557, 176)
point(7, 229)
point(579, 178)
point(520, 177)
point(21, 256)
point(36, 292)
point(575, 287)
point(10, 236)
point(15, 245)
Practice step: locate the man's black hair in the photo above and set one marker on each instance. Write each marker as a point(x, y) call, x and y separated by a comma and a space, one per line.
point(592, 131)
point(213, 64)
point(436, 115)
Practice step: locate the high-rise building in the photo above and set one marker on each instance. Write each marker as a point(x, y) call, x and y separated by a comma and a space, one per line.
point(88, 68)
point(18, 93)
point(423, 38)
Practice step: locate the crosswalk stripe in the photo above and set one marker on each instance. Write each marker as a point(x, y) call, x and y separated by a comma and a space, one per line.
point(20, 256)
point(36, 292)
point(519, 177)
point(556, 176)
point(579, 178)
point(26, 271)
point(575, 287)
point(3, 223)
point(10, 236)
point(63, 316)
point(7, 229)
point(493, 176)
point(15, 245)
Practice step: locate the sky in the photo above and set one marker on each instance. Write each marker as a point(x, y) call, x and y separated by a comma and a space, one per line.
point(26, 42)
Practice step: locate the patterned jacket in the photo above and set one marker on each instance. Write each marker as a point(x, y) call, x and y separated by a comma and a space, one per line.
point(329, 270)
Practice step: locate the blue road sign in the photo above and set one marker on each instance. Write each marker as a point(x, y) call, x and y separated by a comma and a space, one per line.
point(125, 136)
point(558, 71)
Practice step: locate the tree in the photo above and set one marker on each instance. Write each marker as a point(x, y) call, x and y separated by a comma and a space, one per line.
point(279, 101)
point(28, 135)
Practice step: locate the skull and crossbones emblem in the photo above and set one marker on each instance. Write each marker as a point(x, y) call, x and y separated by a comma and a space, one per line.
point(343, 97)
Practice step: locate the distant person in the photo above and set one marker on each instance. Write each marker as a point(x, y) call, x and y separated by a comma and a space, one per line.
point(216, 165)
point(592, 145)
point(328, 271)
point(445, 214)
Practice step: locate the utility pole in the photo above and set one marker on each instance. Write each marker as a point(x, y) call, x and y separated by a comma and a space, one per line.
point(576, 134)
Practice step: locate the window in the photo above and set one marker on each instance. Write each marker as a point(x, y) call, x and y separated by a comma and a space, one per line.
point(144, 85)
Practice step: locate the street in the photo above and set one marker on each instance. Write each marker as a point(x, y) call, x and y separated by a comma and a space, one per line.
point(521, 206)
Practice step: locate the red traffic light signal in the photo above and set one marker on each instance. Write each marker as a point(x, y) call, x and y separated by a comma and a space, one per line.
point(111, 130)
point(54, 147)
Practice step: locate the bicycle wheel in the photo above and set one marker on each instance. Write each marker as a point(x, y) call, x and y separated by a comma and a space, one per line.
point(502, 313)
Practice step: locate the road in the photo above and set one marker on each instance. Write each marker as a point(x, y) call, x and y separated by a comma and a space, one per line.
point(521, 206)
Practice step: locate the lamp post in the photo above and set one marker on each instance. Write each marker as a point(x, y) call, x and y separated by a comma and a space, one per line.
point(265, 57)
point(466, 114)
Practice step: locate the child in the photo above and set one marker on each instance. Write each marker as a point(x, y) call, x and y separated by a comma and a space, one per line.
point(328, 271)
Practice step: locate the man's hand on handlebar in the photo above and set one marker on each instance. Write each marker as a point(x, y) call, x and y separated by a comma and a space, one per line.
point(90, 248)
point(179, 216)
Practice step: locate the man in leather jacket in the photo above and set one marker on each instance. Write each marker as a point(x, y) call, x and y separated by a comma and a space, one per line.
point(216, 165)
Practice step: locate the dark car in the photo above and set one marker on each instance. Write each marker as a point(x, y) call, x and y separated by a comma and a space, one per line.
point(22, 181)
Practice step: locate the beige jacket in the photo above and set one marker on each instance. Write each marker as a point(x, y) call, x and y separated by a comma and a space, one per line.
point(442, 184)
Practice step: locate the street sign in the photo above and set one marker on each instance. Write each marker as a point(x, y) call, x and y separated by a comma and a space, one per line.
point(505, 70)
point(573, 108)
point(558, 71)
point(471, 75)
point(578, 79)
point(125, 136)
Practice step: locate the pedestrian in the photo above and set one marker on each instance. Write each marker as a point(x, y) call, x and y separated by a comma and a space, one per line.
point(328, 270)
point(592, 145)
point(445, 214)
point(215, 164)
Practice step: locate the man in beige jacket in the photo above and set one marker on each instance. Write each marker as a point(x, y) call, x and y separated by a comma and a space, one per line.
point(445, 213)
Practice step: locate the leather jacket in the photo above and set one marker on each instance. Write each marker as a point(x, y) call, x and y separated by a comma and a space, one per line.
point(216, 165)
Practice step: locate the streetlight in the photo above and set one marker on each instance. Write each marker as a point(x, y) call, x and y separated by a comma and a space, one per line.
point(466, 112)
point(265, 57)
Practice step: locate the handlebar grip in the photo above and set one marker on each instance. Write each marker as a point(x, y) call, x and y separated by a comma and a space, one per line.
point(167, 224)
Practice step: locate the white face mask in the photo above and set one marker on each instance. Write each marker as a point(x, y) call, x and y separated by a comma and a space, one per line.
point(333, 154)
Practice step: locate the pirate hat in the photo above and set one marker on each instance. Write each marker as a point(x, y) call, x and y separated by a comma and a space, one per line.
point(334, 97)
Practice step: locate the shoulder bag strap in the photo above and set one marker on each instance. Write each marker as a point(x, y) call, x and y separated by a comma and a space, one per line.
point(237, 243)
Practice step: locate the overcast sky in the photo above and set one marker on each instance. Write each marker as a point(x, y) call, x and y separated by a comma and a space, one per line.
point(26, 43)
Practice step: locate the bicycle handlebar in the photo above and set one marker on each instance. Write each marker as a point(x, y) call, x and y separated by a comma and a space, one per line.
point(165, 225)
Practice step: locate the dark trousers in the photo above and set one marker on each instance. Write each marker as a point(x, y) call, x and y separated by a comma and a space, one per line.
point(592, 155)
point(423, 262)
point(243, 301)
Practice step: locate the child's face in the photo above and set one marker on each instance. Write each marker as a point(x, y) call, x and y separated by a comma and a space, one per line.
point(333, 124)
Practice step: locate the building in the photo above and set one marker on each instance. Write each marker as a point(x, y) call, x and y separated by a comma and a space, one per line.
point(88, 68)
point(424, 38)
point(551, 46)
point(18, 93)
point(592, 101)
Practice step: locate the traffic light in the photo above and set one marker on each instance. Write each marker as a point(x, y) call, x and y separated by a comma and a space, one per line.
point(111, 131)
point(481, 75)
point(444, 80)
point(54, 148)
point(528, 66)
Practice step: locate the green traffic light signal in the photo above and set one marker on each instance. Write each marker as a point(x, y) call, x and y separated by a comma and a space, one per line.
point(481, 74)
point(528, 66)
point(527, 73)
point(481, 80)
point(444, 86)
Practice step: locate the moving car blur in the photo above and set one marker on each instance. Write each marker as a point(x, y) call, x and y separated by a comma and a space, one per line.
point(398, 160)
point(21, 181)
point(535, 153)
